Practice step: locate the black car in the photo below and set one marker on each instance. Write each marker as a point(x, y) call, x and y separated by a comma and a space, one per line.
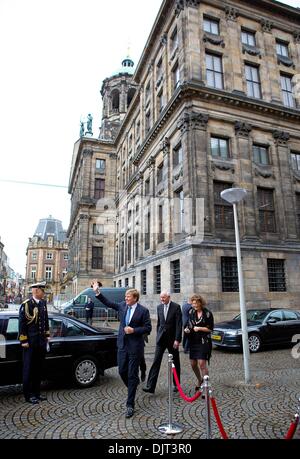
point(265, 327)
point(78, 351)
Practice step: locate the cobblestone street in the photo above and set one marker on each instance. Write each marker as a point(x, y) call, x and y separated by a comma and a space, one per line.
point(262, 410)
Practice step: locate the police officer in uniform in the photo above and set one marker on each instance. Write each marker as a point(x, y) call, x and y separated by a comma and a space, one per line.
point(33, 335)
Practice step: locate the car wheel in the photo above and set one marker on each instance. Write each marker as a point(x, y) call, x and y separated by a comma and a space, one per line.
point(254, 341)
point(85, 371)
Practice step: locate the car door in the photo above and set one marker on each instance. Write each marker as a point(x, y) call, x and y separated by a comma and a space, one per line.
point(57, 359)
point(274, 332)
point(78, 343)
point(11, 352)
point(291, 324)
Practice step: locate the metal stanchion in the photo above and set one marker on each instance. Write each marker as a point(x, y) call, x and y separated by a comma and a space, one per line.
point(170, 428)
point(207, 393)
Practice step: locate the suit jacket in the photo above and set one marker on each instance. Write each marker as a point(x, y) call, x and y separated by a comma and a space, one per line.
point(140, 321)
point(169, 329)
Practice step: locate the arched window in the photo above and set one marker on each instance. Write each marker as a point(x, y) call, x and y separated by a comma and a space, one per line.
point(115, 96)
point(130, 95)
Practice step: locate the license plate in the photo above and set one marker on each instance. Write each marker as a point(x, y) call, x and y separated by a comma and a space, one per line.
point(216, 337)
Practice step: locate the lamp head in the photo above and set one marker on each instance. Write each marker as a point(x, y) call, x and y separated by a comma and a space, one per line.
point(233, 195)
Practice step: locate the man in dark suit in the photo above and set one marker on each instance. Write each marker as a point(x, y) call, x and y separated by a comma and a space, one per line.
point(134, 323)
point(185, 318)
point(169, 333)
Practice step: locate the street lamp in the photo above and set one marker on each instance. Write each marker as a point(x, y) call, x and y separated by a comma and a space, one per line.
point(233, 196)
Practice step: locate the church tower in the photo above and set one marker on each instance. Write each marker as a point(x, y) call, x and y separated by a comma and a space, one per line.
point(117, 93)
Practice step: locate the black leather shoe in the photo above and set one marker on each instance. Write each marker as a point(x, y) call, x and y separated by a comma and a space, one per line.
point(32, 400)
point(129, 412)
point(148, 389)
point(143, 376)
point(175, 389)
point(40, 398)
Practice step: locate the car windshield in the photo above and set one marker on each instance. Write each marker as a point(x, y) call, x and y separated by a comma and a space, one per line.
point(257, 314)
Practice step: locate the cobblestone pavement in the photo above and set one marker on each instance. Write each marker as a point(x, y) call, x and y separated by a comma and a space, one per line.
point(262, 410)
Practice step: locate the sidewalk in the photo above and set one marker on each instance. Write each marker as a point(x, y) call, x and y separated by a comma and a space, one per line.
point(262, 410)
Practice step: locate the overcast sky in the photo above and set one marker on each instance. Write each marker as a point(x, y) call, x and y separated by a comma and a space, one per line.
point(54, 56)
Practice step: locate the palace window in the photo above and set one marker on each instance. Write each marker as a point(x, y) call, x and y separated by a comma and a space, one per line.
point(276, 275)
point(229, 274)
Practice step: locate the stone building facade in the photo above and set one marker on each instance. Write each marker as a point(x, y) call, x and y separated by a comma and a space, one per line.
point(215, 109)
point(47, 257)
point(92, 185)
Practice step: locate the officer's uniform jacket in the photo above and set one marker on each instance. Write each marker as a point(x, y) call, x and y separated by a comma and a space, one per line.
point(33, 322)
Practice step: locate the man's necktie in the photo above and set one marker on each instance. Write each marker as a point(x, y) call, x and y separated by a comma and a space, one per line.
point(165, 311)
point(127, 318)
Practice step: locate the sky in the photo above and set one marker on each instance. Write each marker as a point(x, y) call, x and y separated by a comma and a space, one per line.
point(54, 56)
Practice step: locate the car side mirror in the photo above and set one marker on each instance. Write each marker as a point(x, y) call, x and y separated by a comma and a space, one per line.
point(272, 320)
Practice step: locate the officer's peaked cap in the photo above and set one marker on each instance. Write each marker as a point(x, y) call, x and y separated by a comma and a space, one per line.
point(39, 285)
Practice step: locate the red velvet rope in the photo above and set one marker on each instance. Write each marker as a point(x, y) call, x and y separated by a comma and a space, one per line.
point(292, 429)
point(218, 419)
point(182, 394)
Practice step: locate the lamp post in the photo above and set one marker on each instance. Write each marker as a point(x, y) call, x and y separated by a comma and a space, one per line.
point(233, 196)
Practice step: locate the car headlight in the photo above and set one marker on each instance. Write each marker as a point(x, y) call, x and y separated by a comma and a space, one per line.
point(233, 332)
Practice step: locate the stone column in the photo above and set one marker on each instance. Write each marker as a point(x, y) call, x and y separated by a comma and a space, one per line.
point(286, 217)
point(151, 206)
point(232, 56)
point(87, 183)
point(84, 244)
point(188, 9)
point(269, 67)
point(167, 195)
point(193, 128)
point(244, 154)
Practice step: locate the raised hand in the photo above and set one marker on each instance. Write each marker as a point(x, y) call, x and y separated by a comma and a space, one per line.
point(95, 286)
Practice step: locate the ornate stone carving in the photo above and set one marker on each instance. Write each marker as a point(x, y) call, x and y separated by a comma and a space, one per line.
point(184, 123)
point(265, 173)
point(199, 120)
point(284, 60)
point(266, 25)
point(242, 129)
point(231, 13)
point(165, 146)
point(281, 137)
point(222, 166)
point(193, 121)
point(181, 4)
point(213, 39)
point(164, 39)
point(151, 162)
point(150, 66)
point(297, 36)
point(252, 50)
point(84, 217)
point(87, 152)
point(177, 176)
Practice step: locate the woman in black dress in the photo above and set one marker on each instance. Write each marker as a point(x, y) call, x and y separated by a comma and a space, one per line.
point(198, 328)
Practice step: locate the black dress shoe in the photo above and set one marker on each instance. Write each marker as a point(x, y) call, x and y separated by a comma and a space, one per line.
point(129, 412)
point(32, 400)
point(148, 389)
point(175, 389)
point(143, 376)
point(40, 398)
